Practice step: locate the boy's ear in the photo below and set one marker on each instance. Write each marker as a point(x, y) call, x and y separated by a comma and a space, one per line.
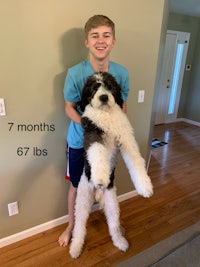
point(86, 43)
point(113, 42)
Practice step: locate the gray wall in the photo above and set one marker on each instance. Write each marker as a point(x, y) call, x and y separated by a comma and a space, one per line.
point(189, 107)
point(39, 41)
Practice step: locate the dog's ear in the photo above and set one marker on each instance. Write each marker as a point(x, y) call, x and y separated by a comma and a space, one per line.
point(119, 97)
point(83, 102)
point(112, 85)
point(89, 89)
point(85, 96)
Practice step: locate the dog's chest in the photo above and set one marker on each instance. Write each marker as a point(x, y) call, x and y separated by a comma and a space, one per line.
point(112, 139)
point(114, 126)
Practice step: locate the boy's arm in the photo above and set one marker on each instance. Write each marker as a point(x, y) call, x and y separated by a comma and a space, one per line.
point(124, 107)
point(71, 112)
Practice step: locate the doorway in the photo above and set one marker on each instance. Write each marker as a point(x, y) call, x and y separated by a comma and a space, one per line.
point(175, 53)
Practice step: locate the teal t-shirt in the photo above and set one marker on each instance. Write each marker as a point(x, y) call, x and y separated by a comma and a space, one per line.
point(74, 83)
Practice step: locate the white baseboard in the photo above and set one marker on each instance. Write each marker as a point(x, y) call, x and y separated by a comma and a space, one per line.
point(189, 121)
point(127, 195)
point(32, 231)
point(51, 224)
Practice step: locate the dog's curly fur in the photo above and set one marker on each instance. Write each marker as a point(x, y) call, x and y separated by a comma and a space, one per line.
point(106, 131)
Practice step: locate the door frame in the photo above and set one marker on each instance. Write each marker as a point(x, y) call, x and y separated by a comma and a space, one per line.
point(167, 74)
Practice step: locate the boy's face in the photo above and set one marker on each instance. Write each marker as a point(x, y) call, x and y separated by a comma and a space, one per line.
point(100, 42)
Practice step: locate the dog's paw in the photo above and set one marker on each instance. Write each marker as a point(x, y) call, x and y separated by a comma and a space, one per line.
point(121, 243)
point(75, 250)
point(145, 187)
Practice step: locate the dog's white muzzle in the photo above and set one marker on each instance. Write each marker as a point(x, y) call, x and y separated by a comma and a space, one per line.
point(102, 98)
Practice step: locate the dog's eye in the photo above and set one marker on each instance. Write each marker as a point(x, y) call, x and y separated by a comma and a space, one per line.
point(108, 85)
point(95, 87)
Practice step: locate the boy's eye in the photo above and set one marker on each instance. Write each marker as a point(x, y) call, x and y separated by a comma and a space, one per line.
point(107, 35)
point(94, 35)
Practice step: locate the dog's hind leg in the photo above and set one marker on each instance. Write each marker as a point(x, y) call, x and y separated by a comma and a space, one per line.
point(84, 201)
point(112, 213)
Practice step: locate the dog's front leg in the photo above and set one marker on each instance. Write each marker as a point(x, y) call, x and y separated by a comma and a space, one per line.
point(112, 213)
point(99, 160)
point(84, 201)
point(136, 166)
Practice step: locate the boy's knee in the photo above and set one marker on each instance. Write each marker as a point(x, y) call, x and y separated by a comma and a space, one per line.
point(73, 189)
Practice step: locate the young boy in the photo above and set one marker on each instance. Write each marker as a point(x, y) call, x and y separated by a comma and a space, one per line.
point(99, 39)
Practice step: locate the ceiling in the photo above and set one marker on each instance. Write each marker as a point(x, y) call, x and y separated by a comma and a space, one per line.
point(187, 7)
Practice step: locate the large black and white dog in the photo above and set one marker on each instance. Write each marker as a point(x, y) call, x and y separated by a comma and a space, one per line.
point(106, 131)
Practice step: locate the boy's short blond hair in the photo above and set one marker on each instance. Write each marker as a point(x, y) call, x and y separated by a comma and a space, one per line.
point(96, 21)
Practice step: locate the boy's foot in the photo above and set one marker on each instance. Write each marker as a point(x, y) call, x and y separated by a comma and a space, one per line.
point(65, 237)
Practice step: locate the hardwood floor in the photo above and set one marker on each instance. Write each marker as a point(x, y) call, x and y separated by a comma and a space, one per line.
point(175, 205)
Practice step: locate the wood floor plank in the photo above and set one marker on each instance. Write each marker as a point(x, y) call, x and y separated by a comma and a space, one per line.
point(175, 205)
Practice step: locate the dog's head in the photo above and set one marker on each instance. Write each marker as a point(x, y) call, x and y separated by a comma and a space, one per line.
point(101, 91)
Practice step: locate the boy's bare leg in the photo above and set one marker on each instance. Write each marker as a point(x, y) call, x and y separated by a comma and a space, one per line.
point(67, 234)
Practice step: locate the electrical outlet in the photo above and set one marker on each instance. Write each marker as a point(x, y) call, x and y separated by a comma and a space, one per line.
point(13, 208)
point(141, 96)
point(2, 107)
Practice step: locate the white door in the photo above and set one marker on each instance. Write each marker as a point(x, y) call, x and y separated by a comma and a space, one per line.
point(175, 54)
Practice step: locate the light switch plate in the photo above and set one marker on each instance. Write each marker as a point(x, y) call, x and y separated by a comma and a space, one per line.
point(2, 107)
point(141, 96)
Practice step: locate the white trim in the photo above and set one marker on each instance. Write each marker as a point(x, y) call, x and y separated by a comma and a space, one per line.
point(189, 121)
point(51, 224)
point(127, 195)
point(148, 161)
point(120, 199)
point(32, 231)
point(196, 123)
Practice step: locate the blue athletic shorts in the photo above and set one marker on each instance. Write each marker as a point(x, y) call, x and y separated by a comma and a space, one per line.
point(75, 165)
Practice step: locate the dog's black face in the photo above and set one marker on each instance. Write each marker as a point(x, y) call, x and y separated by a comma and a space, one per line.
point(101, 91)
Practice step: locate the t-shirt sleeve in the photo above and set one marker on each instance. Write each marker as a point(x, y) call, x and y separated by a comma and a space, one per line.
point(70, 90)
point(125, 86)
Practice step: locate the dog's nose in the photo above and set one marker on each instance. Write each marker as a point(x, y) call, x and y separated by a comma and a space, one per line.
point(103, 98)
